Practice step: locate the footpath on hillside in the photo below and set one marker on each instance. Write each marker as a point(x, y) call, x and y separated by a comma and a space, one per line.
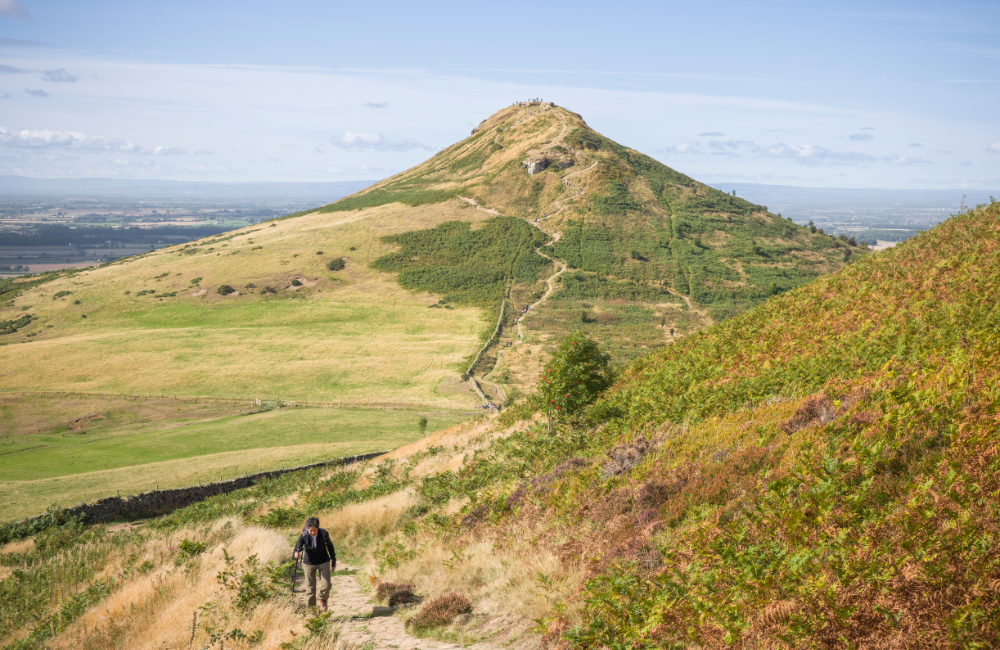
point(551, 281)
point(352, 609)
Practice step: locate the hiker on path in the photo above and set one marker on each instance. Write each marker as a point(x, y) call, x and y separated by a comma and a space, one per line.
point(319, 556)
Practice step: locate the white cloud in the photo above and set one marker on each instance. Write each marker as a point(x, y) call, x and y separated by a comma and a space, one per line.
point(169, 151)
point(9, 69)
point(376, 104)
point(684, 147)
point(202, 152)
point(375, 142)
point(36, 93)
point(994, 148)
point(711, 134)
point(905, 160)
point(46, 139)
point(12, 9)
point(59, 75)
point(811, 154)
point(916, 144)
point(862, 136)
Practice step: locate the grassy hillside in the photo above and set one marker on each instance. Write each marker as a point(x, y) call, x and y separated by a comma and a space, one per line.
point(819, 472)
point(291, 328)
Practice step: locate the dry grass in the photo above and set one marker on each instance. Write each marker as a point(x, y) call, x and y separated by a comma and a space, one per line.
point(156, 610)
point(498, 581)
point(20, 546)
point(363, 521)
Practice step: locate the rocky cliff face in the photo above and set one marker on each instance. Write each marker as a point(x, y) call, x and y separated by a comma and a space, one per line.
point(535, 165)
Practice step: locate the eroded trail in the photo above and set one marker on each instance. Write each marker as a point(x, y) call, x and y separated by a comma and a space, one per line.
point(352, 608)
point(550, 281)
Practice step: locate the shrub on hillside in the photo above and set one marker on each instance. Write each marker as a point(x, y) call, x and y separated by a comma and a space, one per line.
point(225, 290)
point(395, 593)
point(817, 409)
point(440, 612)
point(578, 372)
point(336, 264)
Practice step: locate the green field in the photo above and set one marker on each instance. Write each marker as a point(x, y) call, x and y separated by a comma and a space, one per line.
point(133, 452)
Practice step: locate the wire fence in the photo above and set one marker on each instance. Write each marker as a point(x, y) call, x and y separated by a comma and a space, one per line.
point(376, 404)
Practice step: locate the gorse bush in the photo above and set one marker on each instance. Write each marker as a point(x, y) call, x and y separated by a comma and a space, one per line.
point(336, 264)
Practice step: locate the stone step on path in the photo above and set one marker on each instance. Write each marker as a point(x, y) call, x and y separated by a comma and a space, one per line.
point(352, 608)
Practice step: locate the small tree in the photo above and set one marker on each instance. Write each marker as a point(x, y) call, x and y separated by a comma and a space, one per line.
point(336, 264)
point(578, 372)
point(422, 425)
point(225, 290)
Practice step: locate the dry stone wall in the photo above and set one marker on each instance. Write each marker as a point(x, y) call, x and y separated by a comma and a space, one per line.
point(162, 501)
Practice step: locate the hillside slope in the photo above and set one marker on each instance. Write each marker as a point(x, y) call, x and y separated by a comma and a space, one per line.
point(819, 472)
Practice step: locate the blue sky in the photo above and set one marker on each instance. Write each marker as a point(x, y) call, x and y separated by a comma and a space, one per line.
point(872, 94)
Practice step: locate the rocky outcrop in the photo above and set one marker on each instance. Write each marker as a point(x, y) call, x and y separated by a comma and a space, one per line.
point(535, 165)
point(565, 164)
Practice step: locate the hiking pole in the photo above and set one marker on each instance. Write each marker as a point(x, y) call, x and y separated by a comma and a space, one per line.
point(295, 573)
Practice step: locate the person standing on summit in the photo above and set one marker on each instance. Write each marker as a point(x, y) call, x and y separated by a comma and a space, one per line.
point(319, 556)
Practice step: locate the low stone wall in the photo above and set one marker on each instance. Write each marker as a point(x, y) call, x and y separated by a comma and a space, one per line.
point(162, 501)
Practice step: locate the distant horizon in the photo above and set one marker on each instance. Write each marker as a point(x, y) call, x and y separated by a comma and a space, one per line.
point(715, 184)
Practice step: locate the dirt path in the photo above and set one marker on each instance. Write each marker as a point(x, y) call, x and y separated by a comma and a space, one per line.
point(551, 281)
point(352, 608)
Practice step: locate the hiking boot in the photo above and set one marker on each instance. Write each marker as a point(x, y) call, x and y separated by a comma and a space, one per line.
point(322, 605)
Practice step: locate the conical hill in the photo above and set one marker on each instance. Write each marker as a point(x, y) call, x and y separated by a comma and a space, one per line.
point(632, 225)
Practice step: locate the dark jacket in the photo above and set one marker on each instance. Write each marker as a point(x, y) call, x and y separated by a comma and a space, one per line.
point(324, 551)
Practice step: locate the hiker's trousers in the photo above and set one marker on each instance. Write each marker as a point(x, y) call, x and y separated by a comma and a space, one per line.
point(323, 572)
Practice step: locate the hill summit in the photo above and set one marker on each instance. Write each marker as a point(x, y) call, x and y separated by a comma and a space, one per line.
point(628, 226)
